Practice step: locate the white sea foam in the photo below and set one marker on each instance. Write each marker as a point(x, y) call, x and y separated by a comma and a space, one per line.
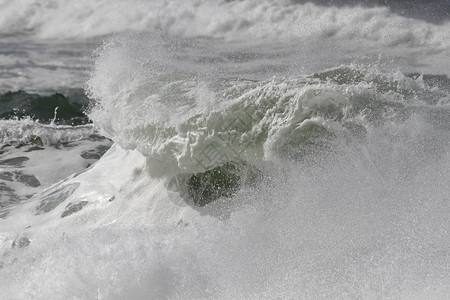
point(24, 131)
point(35, 156)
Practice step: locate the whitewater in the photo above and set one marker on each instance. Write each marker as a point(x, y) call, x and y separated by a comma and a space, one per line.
point(224, 149)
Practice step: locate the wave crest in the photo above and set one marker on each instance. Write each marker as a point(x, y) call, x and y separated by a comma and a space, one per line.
point(195, 121)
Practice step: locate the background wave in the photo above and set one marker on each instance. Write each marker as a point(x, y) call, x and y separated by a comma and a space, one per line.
point(282, 19)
